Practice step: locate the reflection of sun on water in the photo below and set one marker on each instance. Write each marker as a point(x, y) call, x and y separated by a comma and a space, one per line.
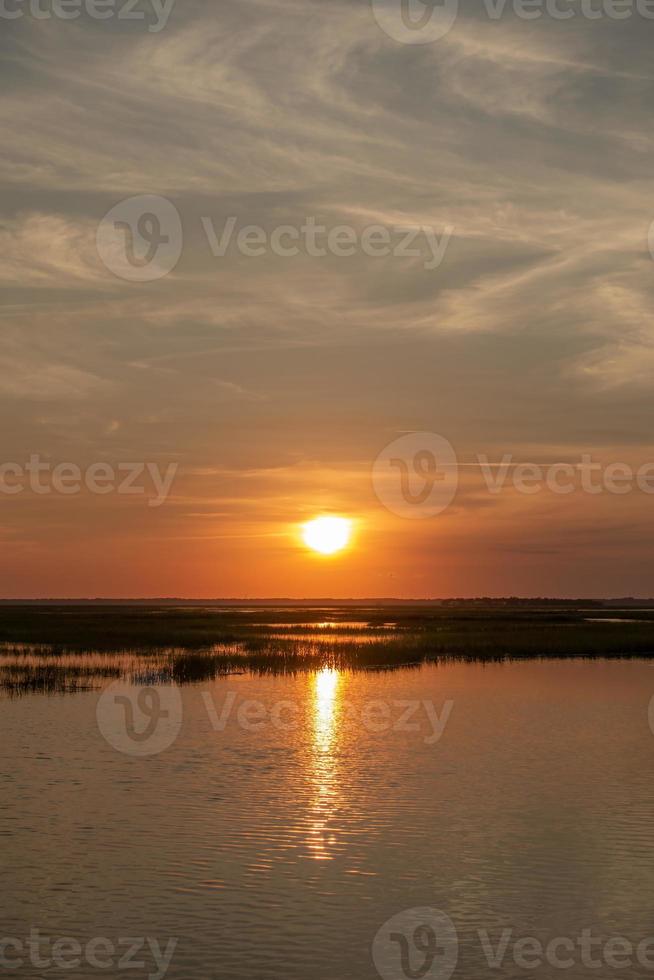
point(325, 707)
point(325, 735)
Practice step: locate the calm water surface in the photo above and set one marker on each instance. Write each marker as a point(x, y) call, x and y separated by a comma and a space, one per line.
point(279, 852)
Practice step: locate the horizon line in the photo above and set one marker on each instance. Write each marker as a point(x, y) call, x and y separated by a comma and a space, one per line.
point(285, 600)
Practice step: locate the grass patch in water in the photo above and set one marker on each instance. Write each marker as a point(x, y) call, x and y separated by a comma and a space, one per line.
point(190, 645)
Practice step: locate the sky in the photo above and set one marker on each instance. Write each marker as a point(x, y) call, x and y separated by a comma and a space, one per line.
point(516, 152)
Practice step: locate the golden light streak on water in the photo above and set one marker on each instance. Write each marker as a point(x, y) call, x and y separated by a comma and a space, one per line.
point(326, 694)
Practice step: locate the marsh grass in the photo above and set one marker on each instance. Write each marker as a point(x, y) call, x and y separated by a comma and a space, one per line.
point(61, 649)
point(17, 678)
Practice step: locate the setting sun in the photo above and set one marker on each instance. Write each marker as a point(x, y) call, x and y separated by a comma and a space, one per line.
point(327, 535)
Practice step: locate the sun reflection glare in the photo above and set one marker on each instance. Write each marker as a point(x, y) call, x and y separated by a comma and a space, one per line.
point(325, 705)
point(325, 733)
